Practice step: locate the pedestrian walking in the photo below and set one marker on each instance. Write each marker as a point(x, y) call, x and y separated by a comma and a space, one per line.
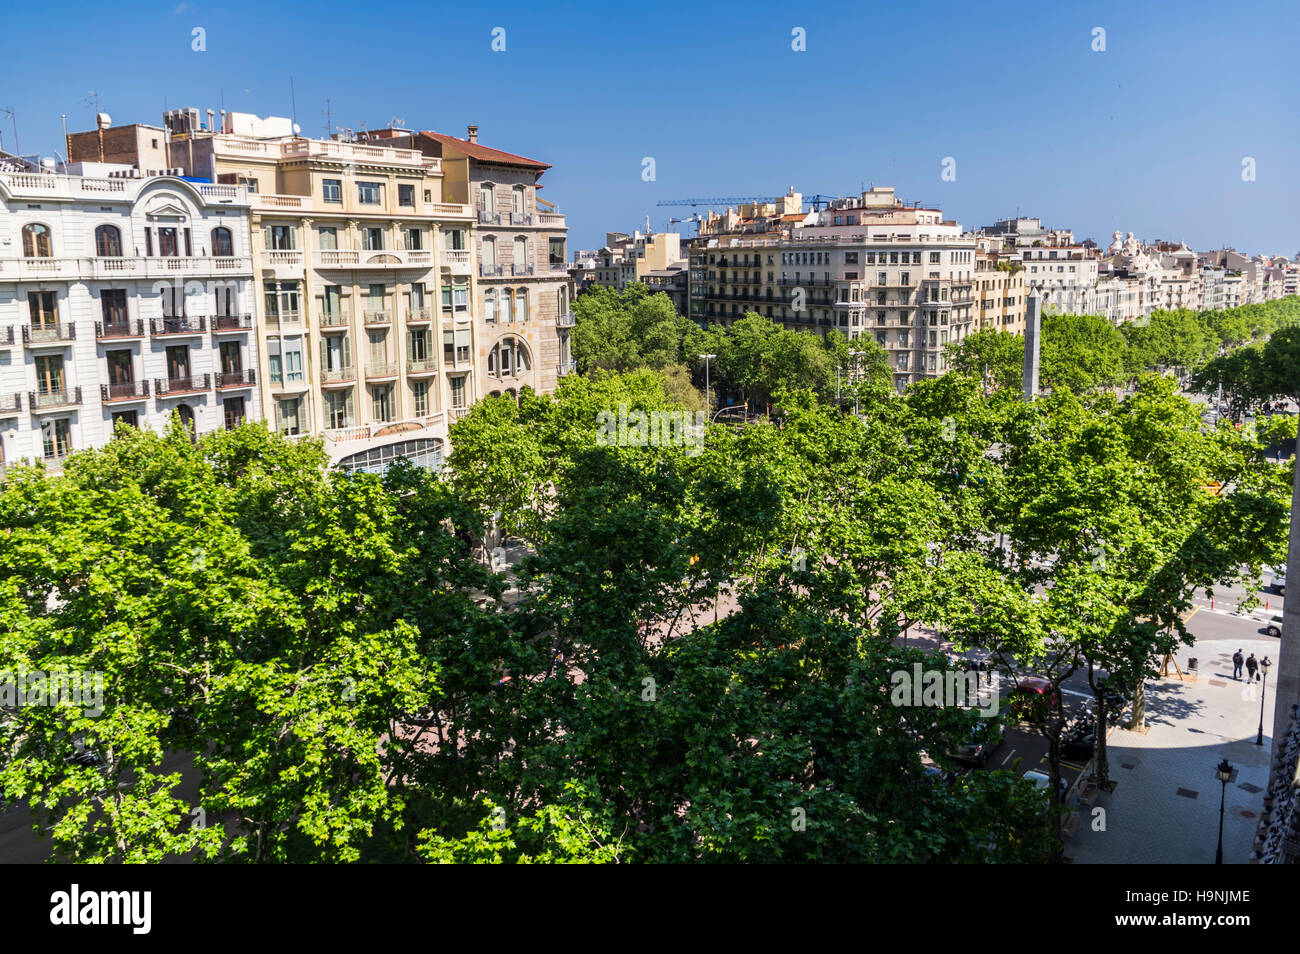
point(1252, 665)
point(1237, 660)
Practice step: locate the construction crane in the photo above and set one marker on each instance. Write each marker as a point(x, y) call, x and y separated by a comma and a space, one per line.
point(816, 201)
point(690, 218)
point(724, 200)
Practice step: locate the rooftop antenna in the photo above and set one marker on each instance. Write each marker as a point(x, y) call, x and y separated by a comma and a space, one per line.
point(92, 100)
point(9, 111)
point(293, 101)
point(329, 120)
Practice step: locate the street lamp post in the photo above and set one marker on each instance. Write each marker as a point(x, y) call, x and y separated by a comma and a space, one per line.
point(707, 358)
point(1264, 666)
point(1225, 774)
point(854, 355)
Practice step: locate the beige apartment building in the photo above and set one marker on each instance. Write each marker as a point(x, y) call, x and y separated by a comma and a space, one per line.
point(999, 292)
point(361, 269)
point(523, 291)
point(864, 265)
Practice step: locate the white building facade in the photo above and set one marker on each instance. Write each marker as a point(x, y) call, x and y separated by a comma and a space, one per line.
point(121, 299)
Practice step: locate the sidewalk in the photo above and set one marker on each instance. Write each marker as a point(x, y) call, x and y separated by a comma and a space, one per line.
point(1165, 808)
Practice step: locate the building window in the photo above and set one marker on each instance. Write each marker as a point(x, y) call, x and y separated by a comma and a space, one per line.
point(43, 308)
point(232, 410)
point(36, 241)
point(338, 409)
point(49, 374)
point(420, 397)
point(108, 241)
point(455, 346)
point(370, 193)
point(332, 190)
point(517, 200)
point(131, 418)
point(56, 438)
point(329, 238)
point(406, 195)
point(457, 391)
point(509, 357)
point(372, 239)
point(486, 198)
point(521, 305)
point(167, 244)
point(222, 244)
point(382, 400)
point(279, 238)
point(287, 416)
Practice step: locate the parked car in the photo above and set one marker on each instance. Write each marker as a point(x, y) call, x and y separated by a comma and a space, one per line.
point(1274, 625)
point(1032, 697)
point(1042, 780)
point(1279, 579)
point(986, 735)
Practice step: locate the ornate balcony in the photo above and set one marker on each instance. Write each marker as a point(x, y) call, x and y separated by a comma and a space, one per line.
point(129, 391)
point(236, 379)
point(337, 376)
point(231, 324)
point(177, 325)
point(119, 329)
point(172, 387)
point(385, 258)
point(54, 333)
point(419, 366)
point(565, 320)
point(48, 399)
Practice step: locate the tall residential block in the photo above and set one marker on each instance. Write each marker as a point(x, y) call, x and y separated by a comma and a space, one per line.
point(124, 297)
point(523, 292)
point(864, 265)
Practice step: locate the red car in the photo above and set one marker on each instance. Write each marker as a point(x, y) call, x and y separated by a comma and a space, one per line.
point(1034, 695)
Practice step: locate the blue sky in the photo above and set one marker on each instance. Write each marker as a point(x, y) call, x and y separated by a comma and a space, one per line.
point(1148, 136)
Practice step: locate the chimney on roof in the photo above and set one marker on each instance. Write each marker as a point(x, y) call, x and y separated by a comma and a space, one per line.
point(473, 133)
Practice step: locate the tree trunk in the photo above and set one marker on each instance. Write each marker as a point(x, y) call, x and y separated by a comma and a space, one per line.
point(1102, 768)
point(1140, 707)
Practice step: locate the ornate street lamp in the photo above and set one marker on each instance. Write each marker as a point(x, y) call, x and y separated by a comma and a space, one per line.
point(1264, 666)
point(1225, 775)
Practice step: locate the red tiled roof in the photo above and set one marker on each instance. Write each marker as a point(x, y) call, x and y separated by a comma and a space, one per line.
point(485, 153)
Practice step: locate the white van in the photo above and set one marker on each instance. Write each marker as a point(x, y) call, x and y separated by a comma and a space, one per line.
point(1279, 579)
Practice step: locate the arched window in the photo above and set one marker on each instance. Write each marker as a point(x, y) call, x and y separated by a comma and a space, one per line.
point(222, 245)
point(521, 254)
point(506, 298)
point(521, 305)
point(486, 198)
point(489, 255)
point(108, 242)
point(517, 200)
point(489, 306)
point(36, 241)
point(187, 418)
point(508, 358)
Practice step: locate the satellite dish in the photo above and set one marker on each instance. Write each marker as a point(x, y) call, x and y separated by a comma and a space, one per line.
point(296, 129)
point(103, 120)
